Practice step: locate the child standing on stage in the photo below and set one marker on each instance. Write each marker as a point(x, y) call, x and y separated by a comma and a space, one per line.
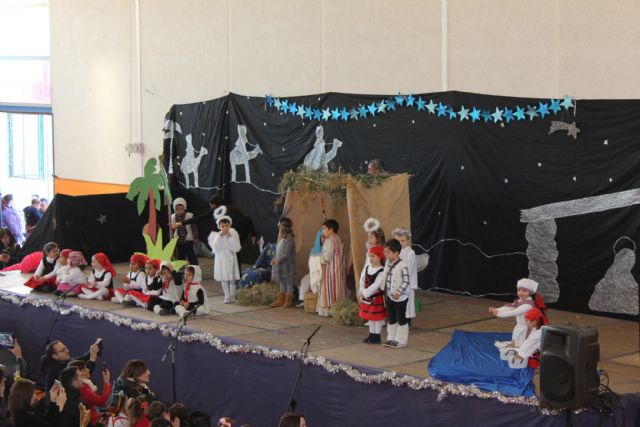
point(375, 236)
point(407, 254)
point(44, 279)
point(194, 296)
point(171, 291)
point(186, 234)
point(72, 277)
point(371, 297)
point(151, 287)
point(333, 287)
point(225, 245)
point(526, 289)
point(134, 280)
point(396, 287)
point(284, 264)
point(100, 282)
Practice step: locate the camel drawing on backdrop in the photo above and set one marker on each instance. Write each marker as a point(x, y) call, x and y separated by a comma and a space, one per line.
point(318, 158)
point(240, 156)
point(190, 162)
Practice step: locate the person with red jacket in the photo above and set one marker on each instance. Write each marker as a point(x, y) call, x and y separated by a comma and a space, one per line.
point(89, 391)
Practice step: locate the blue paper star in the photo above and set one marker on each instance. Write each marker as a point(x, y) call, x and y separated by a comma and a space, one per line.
point(567, 102)
point(363, 111)
point(317, 114)
point(391, 104)
point(543, 110)
point(431, 107)
point(326, 114)
point(277, 104)
point(308, 112)
point(372, 109)
point(420, 104)
point(463, 113)
point(452, 114)
point(300, 112)
point(382, 106)
point(285, 105)
point(519, 114)
point(269, 100)
point(442, 110)
point(410, 100)
point(497, 115)
point(474, 114)
point(293, 108)
point(555, 106)
point(508, 114)
point(399, 99)
point(335, 114)
point(486, 116)
point(344, 114)
point(531, 112)
point(353, 114)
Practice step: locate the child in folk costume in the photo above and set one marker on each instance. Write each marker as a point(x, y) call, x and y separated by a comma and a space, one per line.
point(186, 234)
point(528, 353)
point(333, 286)
point(526, 289)
point(375, 236)
point(134, 280)
point(407, 254)
point(44, 279)
point(372, 298)
point(225, 245)
point(396, 287)
point(100, 282)
point(170, 293)
point(151, 287)
point(284, 264)
point(72, 277)
point(194, 296)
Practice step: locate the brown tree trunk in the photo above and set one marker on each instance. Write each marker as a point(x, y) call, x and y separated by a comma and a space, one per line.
point(152, 217)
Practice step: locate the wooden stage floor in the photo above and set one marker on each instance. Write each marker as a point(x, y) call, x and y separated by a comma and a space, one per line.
point(440, 315)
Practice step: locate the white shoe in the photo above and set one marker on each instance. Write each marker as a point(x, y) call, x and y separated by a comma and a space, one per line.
point(227, 300)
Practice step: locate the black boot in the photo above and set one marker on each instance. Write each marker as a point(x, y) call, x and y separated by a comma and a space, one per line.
point(375, 339)
point(367, 340)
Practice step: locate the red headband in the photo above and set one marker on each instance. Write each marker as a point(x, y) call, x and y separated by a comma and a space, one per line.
point(139, 259)
point(105, 263)
point(377, 251)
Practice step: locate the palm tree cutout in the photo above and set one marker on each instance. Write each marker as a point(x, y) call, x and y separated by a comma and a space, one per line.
point(147, 187)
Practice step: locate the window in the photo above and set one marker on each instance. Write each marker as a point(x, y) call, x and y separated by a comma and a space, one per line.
point(27, 137)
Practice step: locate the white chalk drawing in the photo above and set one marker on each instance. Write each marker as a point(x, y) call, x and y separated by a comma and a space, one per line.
point(239, 156)
point(191, 162)
point(170, 128)
point(318, 158)
point(617, 291)
point(541, 232)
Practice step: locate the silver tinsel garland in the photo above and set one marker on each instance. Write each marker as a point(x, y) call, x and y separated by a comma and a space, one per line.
point(399, 380)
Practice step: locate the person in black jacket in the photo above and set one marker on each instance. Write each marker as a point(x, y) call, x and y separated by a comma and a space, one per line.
point(9, 249)
point(134, 381)
point(22, 402)
point(70, 414)
point(56, 356)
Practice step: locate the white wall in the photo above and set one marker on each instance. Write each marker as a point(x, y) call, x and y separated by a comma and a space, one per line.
point(193, 50)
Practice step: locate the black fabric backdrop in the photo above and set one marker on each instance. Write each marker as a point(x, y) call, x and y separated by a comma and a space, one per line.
point(469, 180)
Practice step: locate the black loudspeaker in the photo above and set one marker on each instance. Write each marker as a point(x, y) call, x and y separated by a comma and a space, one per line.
point(569, 358)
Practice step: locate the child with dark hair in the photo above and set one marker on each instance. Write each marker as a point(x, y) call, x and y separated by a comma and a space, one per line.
point(225, 244)
point(136, 410)
point(194, 297)
point(292, 419)
point(333, 287)
point(157, 409)
point(284, 264)
point(44, 279)
point(187, 234)
point(396, 286)
point(178, 410)
point(8, 248)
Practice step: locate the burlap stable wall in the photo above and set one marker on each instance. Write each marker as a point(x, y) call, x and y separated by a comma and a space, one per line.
point(388, 203)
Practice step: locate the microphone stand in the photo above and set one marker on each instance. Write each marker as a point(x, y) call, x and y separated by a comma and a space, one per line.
point(59, 302)
point(173, 346)
point(304, 351)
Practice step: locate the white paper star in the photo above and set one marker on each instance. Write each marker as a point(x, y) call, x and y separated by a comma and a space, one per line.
point(102, 219)
point(506, 180)
point(539, 164)
point(462, 167)
point(610, 179)
point(606, 142)
point(574, 178)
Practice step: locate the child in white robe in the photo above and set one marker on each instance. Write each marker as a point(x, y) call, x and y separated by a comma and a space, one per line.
point(225, 245)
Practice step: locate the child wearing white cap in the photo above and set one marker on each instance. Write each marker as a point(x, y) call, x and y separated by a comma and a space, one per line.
point(187, 234)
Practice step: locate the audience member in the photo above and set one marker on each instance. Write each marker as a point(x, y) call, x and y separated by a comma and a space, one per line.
point(22, 400)
point(198, 419)
point(136, 410)
point(56, 356)
point(9, 248)
point(89, 391)
point(292, 419)
point(44, 204)
point(134, 380)
point(158, 409)
point(3, 402)
point(178, 410)
point(11, 218)
point(70, 380)
point(15, 366)
point(32, 215)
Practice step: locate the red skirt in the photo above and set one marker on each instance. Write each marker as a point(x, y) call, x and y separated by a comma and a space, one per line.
point(139, 296)
point(34, 283)
point(375, 310)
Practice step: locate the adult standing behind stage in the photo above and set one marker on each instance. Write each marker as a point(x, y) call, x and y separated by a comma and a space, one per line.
point(375, 167)
point(241, 223)
point(56, 356)
point(11, 218)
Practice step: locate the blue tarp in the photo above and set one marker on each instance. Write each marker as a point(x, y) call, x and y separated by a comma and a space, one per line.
point(472, 358)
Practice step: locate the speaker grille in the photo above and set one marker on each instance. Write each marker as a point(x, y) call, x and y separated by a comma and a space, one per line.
point(559, 380)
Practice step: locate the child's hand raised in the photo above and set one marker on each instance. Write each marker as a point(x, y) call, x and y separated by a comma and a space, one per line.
point(493, 311)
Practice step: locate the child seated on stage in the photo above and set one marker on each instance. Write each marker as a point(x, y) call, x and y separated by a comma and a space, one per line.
point(44, 279)
point(134, 280)
point(396, 287)
point(194, 296)
point(526, 289)
point(100, 282)
point(371, 297)
point(151, 287)
point(225, 245)
point(72, 277)
point(528, 353)
point(170, 293)
point(408, 255)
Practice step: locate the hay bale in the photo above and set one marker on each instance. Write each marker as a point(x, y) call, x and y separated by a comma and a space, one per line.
point(260, 294)
point(345, 312)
